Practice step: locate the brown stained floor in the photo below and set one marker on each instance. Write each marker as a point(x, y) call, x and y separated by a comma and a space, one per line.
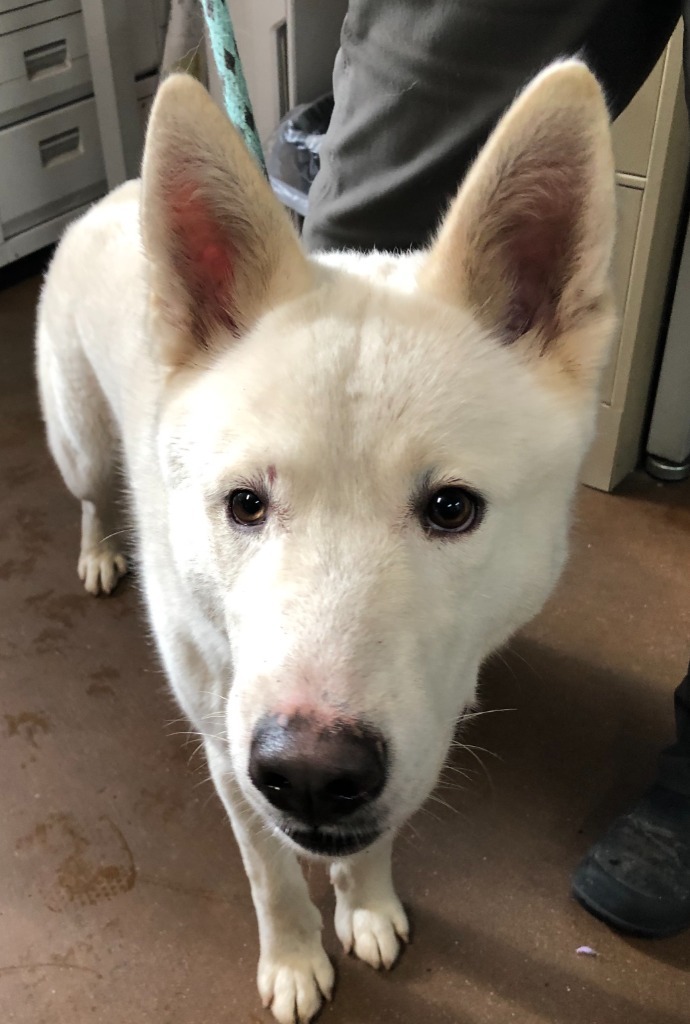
point(122, 895)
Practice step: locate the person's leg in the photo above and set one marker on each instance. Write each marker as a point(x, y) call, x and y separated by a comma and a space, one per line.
point(418, 88)
point(674, 762)
point(637, 876)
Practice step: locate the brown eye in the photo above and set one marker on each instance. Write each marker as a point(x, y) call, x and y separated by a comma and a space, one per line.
point(247, 508)
point(452, 510)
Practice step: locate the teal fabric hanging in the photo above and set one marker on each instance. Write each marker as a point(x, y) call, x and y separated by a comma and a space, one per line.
point(229, 66)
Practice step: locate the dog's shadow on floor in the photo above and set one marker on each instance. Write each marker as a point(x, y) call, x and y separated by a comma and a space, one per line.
point(490, 964)
point(485, 963)
point(581, 739)
point(576, 746)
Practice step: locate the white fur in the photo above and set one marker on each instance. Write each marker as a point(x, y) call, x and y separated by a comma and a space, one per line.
point(354, 379)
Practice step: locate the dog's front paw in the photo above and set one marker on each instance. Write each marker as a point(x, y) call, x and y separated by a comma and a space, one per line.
point(100, 568)
point(295, 983)
point(373, 933)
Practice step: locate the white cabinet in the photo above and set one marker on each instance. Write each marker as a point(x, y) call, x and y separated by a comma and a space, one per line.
point(651, 148)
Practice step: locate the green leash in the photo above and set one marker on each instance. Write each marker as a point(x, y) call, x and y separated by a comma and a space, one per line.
point(229, 66)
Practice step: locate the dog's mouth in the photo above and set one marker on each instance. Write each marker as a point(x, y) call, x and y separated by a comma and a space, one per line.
point(332, 843)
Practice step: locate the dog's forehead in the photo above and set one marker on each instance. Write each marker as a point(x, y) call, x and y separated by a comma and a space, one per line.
point(361, 372)
point(363, 347)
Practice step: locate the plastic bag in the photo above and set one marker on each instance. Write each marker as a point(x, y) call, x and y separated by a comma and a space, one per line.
point(293, 152)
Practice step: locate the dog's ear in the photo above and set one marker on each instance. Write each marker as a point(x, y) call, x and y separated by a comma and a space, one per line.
point(527, 242)
point(220, 247)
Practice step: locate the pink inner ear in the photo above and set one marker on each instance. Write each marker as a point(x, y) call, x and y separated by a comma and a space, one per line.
point(541, 253)
point(539, 247)
point(203, 256)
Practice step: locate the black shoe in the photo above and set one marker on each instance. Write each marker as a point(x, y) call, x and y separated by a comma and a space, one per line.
point(636, 878)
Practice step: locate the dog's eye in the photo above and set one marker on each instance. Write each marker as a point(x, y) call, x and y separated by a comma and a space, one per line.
point(247, 508)
point(452, 510)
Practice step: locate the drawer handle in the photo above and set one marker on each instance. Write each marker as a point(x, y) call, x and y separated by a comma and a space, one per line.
point(46, 60)
point(61, 147)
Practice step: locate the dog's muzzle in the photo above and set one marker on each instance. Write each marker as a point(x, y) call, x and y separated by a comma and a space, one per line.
point(323, 780)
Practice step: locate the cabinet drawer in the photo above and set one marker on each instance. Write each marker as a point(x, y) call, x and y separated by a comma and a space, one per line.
point(10, 5)
point(44, 60)
point(49, 165)
point(42, 63)
point(15, 15)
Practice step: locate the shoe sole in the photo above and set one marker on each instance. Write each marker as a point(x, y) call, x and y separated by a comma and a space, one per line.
point(624, 926)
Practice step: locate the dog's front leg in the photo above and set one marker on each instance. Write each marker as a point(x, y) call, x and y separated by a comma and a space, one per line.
point(369, 917)
point(294, 972)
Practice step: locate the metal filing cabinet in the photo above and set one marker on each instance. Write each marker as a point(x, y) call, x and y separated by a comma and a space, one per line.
point(52, 160)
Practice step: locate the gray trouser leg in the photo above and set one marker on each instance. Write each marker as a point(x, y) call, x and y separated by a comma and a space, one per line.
point(418, 87)
point(674, 762)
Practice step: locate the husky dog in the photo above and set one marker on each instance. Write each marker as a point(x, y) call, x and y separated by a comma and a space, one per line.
point(350, 475)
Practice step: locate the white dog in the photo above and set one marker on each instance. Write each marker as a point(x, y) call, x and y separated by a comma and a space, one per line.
point(350, 476)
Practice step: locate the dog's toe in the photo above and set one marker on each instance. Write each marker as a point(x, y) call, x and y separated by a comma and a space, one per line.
point(373, 934)
point(101, 568)
point(295, 984)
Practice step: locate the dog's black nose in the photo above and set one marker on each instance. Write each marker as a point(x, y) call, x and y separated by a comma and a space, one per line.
point(318, 775)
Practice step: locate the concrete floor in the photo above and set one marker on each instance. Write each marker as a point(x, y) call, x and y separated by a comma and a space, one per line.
point(123, 899)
